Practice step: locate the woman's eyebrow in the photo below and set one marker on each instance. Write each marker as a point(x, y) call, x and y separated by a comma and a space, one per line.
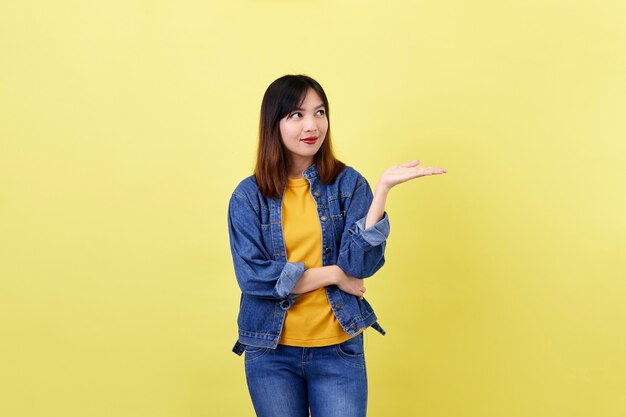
point(315, 108)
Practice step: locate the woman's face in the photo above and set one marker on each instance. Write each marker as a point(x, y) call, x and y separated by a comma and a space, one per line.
point(303, 130)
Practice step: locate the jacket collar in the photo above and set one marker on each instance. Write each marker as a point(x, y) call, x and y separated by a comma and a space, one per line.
point(310, 172)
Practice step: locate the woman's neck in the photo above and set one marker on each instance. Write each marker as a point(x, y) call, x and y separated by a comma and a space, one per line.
point(297, 166)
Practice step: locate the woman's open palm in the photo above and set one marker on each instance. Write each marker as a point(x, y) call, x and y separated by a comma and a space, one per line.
point(400, 173)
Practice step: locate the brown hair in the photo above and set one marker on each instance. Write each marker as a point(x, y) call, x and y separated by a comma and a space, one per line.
point(281, 97)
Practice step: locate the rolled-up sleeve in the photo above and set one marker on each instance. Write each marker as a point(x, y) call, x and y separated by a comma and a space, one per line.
point(288, 279)
point(374, 235)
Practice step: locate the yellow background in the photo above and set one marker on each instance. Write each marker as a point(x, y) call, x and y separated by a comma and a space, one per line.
point(125, 125)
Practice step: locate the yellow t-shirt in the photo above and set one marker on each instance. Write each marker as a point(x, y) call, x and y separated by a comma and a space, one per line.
point(310, 322)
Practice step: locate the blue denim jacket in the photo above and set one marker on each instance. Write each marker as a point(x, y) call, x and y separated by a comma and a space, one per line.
point(265, 276)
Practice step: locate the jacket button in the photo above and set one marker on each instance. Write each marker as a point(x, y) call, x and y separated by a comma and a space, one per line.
point(316, 194)
point(327, 250)
point(353, 327)
point(337, 307)
point(323, 218)
point(285, 304)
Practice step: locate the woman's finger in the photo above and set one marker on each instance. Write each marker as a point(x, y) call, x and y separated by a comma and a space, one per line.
point(410, 164)
point(430, 171)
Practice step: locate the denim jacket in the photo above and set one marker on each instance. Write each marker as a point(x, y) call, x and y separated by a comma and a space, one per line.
point(265, 276)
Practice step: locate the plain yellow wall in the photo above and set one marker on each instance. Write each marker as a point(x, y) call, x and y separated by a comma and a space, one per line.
point(125, 125)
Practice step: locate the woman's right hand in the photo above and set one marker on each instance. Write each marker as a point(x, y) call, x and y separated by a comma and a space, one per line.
point(349, 284)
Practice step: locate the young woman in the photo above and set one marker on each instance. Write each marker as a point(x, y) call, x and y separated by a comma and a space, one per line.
point(305, 230)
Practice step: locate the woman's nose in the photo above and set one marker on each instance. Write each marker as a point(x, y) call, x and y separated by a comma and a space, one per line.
point(310, 124)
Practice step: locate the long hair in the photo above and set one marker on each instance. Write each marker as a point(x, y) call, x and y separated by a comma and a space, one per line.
point(281, 97)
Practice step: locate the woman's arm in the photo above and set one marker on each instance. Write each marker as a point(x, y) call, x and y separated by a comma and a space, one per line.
point(364, 238)
point(258, 274)
point(314, 278)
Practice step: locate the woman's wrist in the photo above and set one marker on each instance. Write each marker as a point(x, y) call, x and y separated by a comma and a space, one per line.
point(381, 189)
point(336, 275)
point(377, 208)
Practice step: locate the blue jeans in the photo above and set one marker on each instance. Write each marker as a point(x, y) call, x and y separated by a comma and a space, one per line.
point(288, 381)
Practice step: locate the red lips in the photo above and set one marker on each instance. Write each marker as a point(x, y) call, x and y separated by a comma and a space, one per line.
point(310, 140)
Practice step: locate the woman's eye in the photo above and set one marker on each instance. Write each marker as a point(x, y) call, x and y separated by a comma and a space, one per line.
point(321, 112)
point(295, 115)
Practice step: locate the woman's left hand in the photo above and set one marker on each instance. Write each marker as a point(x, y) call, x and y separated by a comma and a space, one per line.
point(400, 173)
point(393, 176)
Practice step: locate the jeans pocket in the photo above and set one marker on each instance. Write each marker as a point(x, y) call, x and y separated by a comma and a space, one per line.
point(351, 351)
point(254, 352)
